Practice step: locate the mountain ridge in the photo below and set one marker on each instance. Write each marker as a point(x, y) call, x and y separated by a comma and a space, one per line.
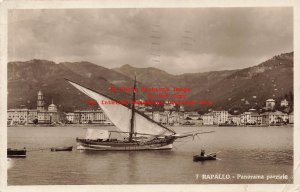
point(225, 88)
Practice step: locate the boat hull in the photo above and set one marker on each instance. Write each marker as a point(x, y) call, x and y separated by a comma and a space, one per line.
point(123, 146)
point(204, 158)
point(16, 153)
point(62, 149)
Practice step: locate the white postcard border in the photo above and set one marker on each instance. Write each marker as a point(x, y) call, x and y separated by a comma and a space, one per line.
point(64, 4)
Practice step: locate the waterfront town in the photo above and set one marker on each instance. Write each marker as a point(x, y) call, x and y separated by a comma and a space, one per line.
point(170, 116)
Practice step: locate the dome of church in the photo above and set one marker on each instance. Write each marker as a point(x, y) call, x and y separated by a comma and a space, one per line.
point(52, 107)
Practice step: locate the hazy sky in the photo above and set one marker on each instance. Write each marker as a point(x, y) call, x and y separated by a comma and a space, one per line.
point(175, 40)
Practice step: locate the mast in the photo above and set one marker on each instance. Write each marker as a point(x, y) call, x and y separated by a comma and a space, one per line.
point(132, 111)
point(142, 123)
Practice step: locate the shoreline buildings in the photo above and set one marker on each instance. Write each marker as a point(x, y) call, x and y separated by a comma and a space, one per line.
point(52, 115)
point(221, 118)
point(170, 116)
point(34, 116)
point(87, 117)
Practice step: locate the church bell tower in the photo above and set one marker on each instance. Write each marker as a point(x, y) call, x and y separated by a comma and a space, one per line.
point(40, 101)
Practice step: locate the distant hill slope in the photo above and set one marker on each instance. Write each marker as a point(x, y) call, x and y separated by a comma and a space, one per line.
point(250, 87)
point(26, 78)
point(232, 89)
point(154, 77)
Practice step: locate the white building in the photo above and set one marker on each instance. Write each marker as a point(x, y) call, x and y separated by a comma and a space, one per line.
point(156, 116)
point(72, 118)
point(274, 118)
point(164, 117)
point(246, 118)
point(174, 118)
point(32, 116)
point(270, 104)
point(208, 119)
point(284, 103)
point(256, 119)
point(236, 119)
point(161, 117)
point(220, 117)
point(21, 116)
point(44, 117)
point(17, 116)
point(91, 116)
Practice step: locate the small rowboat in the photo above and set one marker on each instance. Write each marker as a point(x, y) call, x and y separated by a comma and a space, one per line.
point(62, 148)
point(212, 156)
point(19, 153)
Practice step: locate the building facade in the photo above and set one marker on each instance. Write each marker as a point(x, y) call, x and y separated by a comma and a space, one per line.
point(270, 104)
point(256, 119)
point(21, 116)
point(40, 106)
point(274, 118)
point(39, 115)
point(236, 119)
point(208, 119)
point(88, 116)
point(246, 118)
point(46, 116)
point(220, 117)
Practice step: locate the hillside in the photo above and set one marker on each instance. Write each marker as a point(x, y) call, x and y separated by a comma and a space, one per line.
point(26, 78)
point(233, 89)
point(154, 77)
point(250, 87)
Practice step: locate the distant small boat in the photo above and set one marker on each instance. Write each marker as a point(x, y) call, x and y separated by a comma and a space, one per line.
point(21, 153)
point(212, 156)
point(62, 148)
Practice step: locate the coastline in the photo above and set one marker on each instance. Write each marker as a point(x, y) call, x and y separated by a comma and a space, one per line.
point(100, 125)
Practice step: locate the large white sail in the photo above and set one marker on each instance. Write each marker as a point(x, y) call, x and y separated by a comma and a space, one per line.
point(120, 115)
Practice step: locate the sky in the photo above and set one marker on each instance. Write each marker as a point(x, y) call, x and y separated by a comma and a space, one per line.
point(177, 40)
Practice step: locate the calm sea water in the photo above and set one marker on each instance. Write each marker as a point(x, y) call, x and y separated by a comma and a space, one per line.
point(262, 151)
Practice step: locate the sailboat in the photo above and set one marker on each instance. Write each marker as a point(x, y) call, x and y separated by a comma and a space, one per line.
point(140, 132)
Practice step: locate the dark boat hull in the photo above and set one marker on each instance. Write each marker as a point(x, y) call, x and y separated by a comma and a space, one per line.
point(162, 144)
point(62, 149)
point(16, 153)
point(204, 158)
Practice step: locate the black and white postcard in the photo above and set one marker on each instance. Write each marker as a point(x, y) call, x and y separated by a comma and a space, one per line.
point(118, 95)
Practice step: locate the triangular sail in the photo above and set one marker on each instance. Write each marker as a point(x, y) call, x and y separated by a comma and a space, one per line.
point(120, 115)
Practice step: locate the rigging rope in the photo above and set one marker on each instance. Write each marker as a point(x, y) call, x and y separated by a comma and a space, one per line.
point(184, 142)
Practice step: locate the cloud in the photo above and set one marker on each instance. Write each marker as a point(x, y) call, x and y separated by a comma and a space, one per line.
point(176, 40)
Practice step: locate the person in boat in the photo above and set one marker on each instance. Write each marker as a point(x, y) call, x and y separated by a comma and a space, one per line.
point(202, 153)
